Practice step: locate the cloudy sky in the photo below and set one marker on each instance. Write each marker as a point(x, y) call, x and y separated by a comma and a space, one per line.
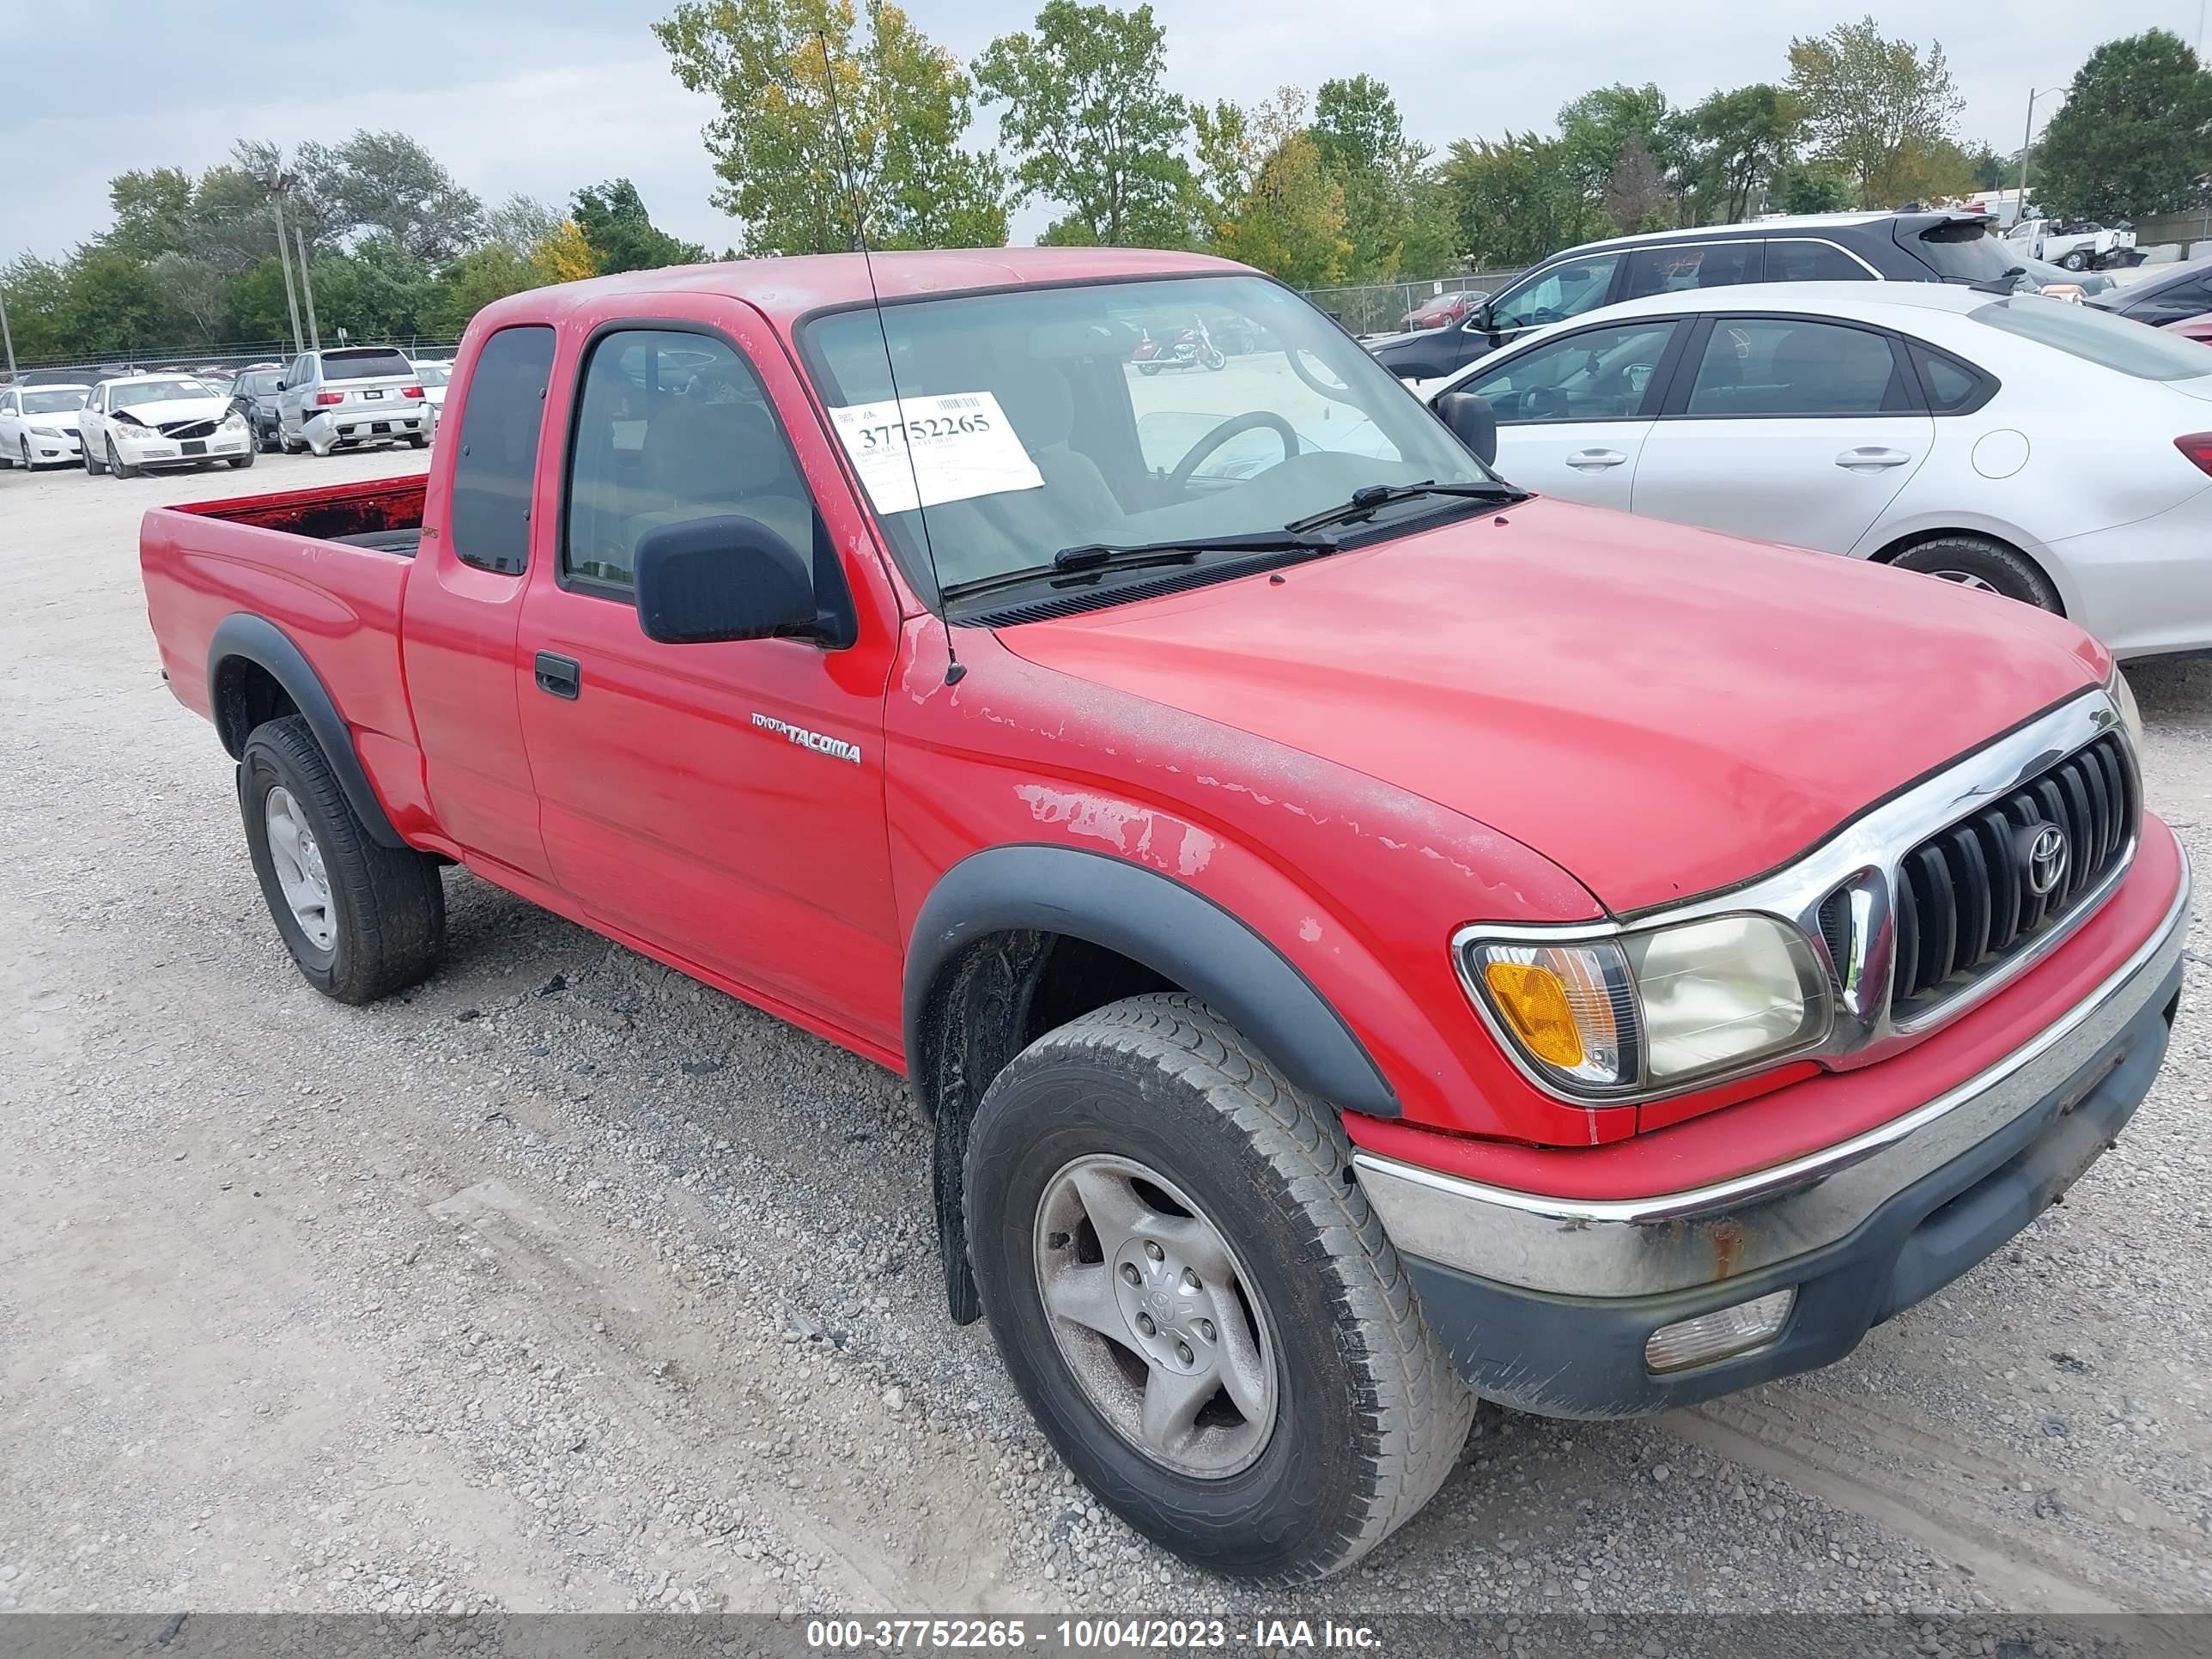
point(544, 96)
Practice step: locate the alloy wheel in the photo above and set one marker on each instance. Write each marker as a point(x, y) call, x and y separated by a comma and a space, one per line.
point(298, 864)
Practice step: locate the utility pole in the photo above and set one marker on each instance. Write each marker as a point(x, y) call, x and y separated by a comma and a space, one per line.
point(7, 339)
point(2027, 142)
point(278, 187)
point(308, 287)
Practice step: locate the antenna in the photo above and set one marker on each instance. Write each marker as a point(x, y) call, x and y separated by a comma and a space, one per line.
point(955, 670)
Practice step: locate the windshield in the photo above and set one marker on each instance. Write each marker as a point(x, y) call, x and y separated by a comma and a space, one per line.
point(59, 401)
point(1115, 413)
point(1963, 251)
point(263, 383)
point(157, 391)
point(2098, 336)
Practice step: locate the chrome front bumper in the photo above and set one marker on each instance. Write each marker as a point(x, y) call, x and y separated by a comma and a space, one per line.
point(1733, 1229)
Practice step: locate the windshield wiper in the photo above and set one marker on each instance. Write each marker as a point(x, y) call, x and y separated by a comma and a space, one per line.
point(1365, 501)
point(1102, 555)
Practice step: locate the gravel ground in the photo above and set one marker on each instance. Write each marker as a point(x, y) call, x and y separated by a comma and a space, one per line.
point(563, 1283)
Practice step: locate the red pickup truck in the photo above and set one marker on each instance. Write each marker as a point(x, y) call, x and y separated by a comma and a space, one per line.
point(1365, 936)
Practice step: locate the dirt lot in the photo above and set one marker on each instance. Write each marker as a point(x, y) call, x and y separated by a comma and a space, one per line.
point(566, 1284)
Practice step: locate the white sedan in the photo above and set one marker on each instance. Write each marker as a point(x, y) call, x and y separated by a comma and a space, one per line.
point(37, 424)
point(161, 420)
point(2049, 452)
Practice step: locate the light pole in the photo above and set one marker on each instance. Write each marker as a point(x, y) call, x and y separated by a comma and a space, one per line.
point(308, 288)
point(6, 339)
point(2027, 142)
point(278, 188)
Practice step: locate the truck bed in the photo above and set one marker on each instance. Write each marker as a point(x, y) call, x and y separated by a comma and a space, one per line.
point(383, 513)
point(326, 566)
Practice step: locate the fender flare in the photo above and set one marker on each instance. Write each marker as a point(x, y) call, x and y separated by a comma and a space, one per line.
point(1150, 918)
point(260, 642)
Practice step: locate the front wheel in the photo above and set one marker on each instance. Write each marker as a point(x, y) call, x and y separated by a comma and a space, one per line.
point(238, 461)
point(1195, 1299)
point(115, 462)
point(361, 919)
point(1980, 562)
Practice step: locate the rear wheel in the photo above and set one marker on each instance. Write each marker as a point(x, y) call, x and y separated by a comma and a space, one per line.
point(361, 919)
point(417, 440)
point(1194, 1298)
point(1979, 561)
point(2075, 260)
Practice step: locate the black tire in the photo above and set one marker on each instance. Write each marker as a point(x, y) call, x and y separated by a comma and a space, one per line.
point(114, 463)
point(92, 468)
point(235, 462)
point(417, 440)
point(2008, 571)
point(2076, 260)
point(1368, 1413)
point(388, 903)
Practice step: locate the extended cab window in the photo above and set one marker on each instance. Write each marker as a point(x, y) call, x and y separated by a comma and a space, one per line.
point(671, 427)
point(1775, 367)
point(504, 407)
point(1599, 374)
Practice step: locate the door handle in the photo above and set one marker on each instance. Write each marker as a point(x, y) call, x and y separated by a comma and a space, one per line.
point(1871, 458)
point(1595, 460)
point(560, 677)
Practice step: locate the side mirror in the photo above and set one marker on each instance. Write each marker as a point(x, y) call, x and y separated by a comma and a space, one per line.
point(726, 578)
point(1472, 420)
point(280, 386)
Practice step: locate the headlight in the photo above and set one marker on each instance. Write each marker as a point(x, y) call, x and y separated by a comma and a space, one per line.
point(45, 432)
point(2130, 716)
point(234, 419)
point(1655, 1011)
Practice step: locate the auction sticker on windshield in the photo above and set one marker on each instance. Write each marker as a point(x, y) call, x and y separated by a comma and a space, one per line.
point(956, 445)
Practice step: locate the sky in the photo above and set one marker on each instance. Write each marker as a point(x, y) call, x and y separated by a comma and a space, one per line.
point(543, 96)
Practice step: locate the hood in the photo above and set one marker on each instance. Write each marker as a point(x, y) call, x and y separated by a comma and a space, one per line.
point(1660, 711)
point(171, 411)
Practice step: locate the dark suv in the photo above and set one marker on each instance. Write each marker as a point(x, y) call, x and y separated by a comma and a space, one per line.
point(253, 394)
point(1908, 247)
point(2173, 295)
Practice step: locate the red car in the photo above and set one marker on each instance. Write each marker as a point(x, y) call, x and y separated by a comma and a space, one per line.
point(2195, 328)
point(1443, 312)
point(1365, 937)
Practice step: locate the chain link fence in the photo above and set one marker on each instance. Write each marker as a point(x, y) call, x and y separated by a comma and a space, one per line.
point(1387, 307)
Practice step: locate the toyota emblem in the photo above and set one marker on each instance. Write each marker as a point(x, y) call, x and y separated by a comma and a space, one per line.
point(2043, 851)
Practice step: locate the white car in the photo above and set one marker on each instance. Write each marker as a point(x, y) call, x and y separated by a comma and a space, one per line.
point(37, 424)
point(162, 421)
point(2051, 453)
point(433, 376)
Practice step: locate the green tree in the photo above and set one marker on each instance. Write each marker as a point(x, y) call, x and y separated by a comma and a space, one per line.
point(1361, 139)
point(1873, 105)
point(1290, 219)
point(1814, 187)
point(381, 290)
point(2135, 136)
point(1517, 199)
point(152, 209)
point(621, 233)
point(1635, 194)
point(1991, 170)
point(473, 282)
point(1596, 129)
point(253, 303)
point(386, 184)
point(821, 120)
point(1087, 110)
point(1734, 142)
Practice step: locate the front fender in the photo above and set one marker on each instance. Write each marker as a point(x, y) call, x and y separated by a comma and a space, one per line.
point(1150, 918)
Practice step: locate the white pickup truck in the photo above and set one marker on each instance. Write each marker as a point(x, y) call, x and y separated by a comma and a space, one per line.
point(2078, 246)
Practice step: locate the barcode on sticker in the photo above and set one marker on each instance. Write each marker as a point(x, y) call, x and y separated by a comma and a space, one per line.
point(960, 403)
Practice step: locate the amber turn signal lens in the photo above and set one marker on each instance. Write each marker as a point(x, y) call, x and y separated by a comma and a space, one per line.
point(1535, 1003)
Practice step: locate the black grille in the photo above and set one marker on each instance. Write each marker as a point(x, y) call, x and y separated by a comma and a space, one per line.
point(1964, 900)
point(189, 430)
